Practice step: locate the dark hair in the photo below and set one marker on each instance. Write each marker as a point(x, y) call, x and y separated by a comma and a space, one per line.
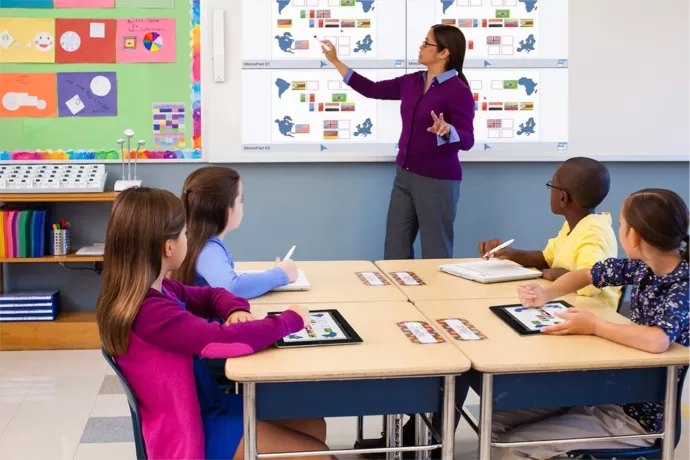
point(141, 221)
point(452, 39)
point(586, 180)
point(207, 194)
point(660, 216)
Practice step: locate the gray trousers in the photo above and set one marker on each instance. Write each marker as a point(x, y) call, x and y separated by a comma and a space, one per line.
point(424, 205)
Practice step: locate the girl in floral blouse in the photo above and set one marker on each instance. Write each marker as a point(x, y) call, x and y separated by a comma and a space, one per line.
point(654, 234)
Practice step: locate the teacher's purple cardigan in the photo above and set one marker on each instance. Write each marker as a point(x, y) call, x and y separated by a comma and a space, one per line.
point(419, 150)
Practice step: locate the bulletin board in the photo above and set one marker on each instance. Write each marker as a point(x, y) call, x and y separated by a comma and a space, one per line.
point(74, 74)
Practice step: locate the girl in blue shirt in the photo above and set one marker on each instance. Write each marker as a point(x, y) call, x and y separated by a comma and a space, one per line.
point(213, 199)
point(654, 234)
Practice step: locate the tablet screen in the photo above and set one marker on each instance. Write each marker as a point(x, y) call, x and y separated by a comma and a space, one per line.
point(534, 319)
point(323, 327)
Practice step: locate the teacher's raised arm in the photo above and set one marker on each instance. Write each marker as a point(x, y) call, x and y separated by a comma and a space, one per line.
point(437, 112)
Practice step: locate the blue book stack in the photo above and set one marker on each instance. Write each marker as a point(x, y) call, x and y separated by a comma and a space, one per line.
point(29, 306)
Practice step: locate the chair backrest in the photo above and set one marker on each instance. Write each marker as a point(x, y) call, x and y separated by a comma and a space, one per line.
point(621, 301)
point(679, 405)
point(133, 409)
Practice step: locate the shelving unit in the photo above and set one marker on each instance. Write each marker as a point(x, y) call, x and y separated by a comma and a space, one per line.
point(71, 330)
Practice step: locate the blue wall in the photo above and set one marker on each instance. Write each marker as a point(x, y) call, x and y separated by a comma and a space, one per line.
point(338, 212)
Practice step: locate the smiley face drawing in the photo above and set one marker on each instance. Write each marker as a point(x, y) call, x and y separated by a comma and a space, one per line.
point(43, 41)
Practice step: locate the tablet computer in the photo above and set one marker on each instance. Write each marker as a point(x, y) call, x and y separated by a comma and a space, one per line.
point(530, 321)
point(327, 327)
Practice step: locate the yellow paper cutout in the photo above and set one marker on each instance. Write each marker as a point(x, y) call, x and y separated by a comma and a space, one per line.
point(27, 40)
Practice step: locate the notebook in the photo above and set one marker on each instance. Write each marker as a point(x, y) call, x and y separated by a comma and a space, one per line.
point(300, 284)
point(490, 271)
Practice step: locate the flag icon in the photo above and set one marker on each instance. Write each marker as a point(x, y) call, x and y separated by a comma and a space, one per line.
point(312, 97)
point(347, 2)
point(511, 22)
point(301, 129)
point(303, 14)
point(470, 44)
point(332, 23)
point(510, 106)
point(475, 22)
point(502, 13)
point(284, 23)
point(463, 23)
point(484, 22)
point(510, 84)
point(495, 22)
point(339, 97)
point(312, 24)
point(299, 85)
point(448, 22)
point(311, 107)
point(527, 106)
point(495, 106)
point(303, 98)
point(526, 22)
point(324, 14)
point(312, 14)
point(320, 106)
point(493, 40)
point(364, 23)
point(301, 44)
point(493, 123)
point(348, 106)
point(476, 97)
point(330, 135)
point(347, 23)
point(332, 107)
point(320, 22)
point(330, 124)
point(485, 106)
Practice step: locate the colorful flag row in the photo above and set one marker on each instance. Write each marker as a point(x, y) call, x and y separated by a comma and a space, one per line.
point(476, 23)
point(338, 23)
point(332, 107)
point(504, 106)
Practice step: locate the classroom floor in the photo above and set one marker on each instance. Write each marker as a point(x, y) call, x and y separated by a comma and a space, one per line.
point(69, 405)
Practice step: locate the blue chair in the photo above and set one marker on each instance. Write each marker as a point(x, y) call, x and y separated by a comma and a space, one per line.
point(133, 410)
point(642, 453)
point(621, 301)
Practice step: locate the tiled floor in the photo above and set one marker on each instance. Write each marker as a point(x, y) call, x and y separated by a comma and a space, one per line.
point(69, 405)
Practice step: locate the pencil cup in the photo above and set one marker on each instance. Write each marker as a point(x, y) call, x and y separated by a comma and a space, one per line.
point(61, 242)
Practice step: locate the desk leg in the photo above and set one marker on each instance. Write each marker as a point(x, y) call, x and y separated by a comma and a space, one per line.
point(669, 441)
point(249, 400)
point(421, 436)
point(360, 428)
point(393, 435)
point(486, 411)
point(448, 449)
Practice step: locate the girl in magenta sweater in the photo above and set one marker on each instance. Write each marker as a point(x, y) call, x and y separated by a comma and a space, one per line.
point(155, 327)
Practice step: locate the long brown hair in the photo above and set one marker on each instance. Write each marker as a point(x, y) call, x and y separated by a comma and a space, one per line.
point(141, 221)
point(452, 39)
point(660, 216)
point(207, 194)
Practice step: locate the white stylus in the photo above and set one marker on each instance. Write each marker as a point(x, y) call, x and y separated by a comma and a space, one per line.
point(498, 248)
point(289, 254)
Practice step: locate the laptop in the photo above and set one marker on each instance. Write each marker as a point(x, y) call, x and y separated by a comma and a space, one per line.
point(490, 271)
point(300, 284)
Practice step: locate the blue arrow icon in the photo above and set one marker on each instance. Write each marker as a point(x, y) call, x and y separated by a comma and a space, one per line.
point(487, 63)
point(323, 147)
point(487, 146)
point(323, 64)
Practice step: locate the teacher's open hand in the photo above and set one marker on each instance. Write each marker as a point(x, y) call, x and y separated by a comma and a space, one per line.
point(440, 127)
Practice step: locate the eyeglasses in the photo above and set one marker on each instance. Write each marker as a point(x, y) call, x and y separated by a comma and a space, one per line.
point(426, 43)
point(550, 185)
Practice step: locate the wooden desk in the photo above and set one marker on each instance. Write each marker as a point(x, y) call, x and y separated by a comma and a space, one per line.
point(386, 374)
point(330, 282)
point(577, 370)
point(442, 286)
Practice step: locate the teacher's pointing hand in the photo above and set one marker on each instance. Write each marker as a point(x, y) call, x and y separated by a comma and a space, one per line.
point(329, 51)
point(440, 127)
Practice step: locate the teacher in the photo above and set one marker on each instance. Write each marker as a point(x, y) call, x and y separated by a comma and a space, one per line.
point(437, 109)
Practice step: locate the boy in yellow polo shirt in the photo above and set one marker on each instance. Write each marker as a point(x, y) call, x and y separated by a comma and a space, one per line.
point(587, 237)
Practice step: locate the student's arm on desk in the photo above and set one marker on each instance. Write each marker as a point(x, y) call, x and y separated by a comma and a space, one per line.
point(533, 259)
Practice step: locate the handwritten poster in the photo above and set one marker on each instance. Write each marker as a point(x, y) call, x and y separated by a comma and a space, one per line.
point(146, 40)
point(27, 40)
point(27, 95)
point(87, 94)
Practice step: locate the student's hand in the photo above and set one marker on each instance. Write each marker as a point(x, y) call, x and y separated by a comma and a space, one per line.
point(577, 321)
point(239, 316)
point(533, 295)
point(290, 268)
point(329, 51)
point(486, 246)
point(302, 311)
point(440, 127)
point(552, 274)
